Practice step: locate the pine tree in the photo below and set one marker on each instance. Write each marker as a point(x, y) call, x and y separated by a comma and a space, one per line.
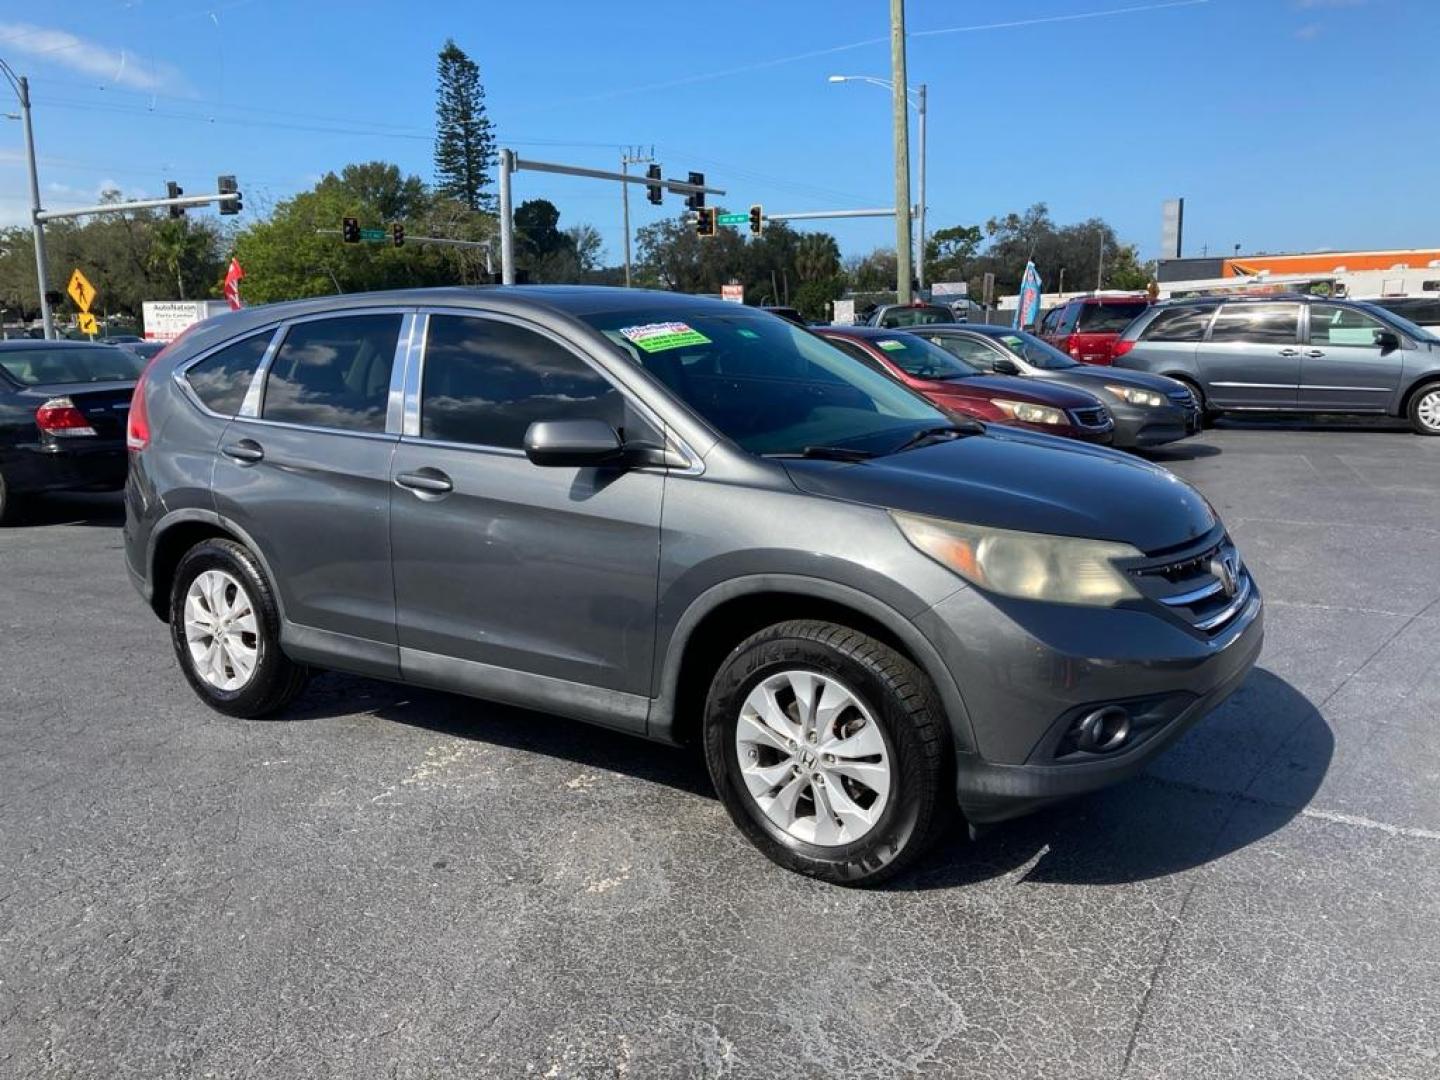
point(464, 138)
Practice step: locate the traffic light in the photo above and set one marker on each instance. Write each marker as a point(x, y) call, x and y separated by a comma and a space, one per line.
point(696, 200)
point(655, 193)
point(757, 220)
point(705, 221)
point(398, 232)
point(226, 186)
point(350, 230)
point(174, 191)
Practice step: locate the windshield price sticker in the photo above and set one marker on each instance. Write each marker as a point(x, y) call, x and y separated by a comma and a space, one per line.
point(657, 337)
point(890, 344)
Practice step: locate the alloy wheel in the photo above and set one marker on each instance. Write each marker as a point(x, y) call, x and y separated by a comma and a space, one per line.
point(813, 757)
point(221, 630)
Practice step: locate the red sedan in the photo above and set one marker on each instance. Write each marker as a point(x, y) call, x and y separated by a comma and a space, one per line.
point(953, 385)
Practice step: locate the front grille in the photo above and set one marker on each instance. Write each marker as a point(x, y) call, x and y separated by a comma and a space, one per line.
point(1181, 397)
point(1206, 588)
point(1096, 418)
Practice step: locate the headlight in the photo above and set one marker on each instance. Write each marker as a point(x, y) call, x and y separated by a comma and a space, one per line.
point(1031, 414)
point(1032, 566)
point(1136, 396)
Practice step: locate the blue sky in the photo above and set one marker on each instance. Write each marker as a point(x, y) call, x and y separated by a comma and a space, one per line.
point(1286, 124)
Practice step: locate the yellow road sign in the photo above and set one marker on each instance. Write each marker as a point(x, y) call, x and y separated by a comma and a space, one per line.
point(81, 291)
point(87, 323)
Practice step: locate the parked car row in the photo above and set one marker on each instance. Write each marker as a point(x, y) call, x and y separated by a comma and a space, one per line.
point(692, 521)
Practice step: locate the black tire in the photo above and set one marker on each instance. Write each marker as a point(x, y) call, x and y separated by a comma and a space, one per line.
point(895, 692)
point(276, 679)
point(1208, 413)
point(1419, 426)
point(7, 503)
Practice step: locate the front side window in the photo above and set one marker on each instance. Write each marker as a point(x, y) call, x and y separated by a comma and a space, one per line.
point(1034, 351)
point(768, 386)
point(1178, 324)
point(334, 373)
point(1331, 324)
point(223, 377)
point(1257, 324)
point(46, 364)
point(485, 382)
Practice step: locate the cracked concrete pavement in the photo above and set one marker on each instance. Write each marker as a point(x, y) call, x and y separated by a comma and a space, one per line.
point(397, 883)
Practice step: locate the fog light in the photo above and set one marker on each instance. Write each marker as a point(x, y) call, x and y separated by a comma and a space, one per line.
point(1103, 730)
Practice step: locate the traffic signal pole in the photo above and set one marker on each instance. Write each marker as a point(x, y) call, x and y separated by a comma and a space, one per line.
point(904, 249)
point(511, 163)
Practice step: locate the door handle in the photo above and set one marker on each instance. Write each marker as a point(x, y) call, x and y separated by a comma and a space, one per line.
point(1316, 352)
point(425, 482)
point(1289, 352)
point(246, 451)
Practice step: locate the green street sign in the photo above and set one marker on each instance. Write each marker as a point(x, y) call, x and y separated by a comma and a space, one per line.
point(374, 234)
point(732, 219)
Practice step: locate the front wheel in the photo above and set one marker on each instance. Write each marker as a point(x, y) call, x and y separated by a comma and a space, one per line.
point(829, 751)
point(225, 627)
point(1425, 410)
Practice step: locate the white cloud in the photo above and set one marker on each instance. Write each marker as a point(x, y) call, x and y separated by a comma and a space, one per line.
point(1308, 32)
point(64, 49)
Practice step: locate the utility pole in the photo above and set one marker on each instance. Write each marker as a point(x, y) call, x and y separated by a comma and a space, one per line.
point(21, 86)
point(920, 257)
point(1100, 270)
point(904, 246)
point(630, 157)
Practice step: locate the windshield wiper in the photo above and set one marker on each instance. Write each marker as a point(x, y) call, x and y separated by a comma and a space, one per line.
point(827, 453)
point(952, 431)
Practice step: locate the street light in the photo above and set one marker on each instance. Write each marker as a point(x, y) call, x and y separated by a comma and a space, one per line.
point(915, 95)
point(21, 86)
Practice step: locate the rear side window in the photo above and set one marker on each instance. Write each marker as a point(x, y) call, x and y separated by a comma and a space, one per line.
point(1109, 317)
point(1069, 316)
point(334, 373)
point(1260, 324)
point(1178, 324)
point(485, 382)
point(222, 378)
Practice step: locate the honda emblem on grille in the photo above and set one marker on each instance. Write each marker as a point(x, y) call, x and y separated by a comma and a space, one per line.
point(1227, 569)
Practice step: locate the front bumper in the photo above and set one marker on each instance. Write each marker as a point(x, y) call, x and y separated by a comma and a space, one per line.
point(1137, 426)
point(1027, 671)
point(37, 467)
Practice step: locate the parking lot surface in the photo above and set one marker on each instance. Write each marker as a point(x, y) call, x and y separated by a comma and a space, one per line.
point(395, 883)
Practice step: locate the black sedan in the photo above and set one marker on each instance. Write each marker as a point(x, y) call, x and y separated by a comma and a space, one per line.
point(63, 407)
point(1149, 410)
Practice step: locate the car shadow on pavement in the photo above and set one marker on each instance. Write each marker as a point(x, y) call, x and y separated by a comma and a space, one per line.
point(1179, 451)
point(1239, 775)
point(502, 725)
point(105, 509)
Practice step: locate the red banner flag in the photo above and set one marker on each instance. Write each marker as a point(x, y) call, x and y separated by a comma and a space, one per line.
point(232, 284)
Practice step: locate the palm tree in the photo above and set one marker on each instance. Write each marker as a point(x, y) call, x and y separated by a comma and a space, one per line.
point(174, 249)
point(817, 257)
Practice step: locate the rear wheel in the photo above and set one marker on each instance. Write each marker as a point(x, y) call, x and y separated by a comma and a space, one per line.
point(225, 627)
point(1425, 410)
point(828, 750)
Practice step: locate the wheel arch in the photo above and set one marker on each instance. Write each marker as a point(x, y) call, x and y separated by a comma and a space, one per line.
point(724, 615)
point(1423, 382)
point(180, 531)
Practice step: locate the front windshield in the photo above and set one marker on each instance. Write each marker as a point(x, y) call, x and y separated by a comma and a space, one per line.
point(1419, 333)
point(765, 384)
point(920, 359)
point(70, 364)
point(1034, 351)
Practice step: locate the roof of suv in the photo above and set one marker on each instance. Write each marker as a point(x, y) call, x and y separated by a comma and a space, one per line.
point(1249, 298)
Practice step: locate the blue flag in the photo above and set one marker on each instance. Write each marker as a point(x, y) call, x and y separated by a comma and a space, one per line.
point(1027, 310)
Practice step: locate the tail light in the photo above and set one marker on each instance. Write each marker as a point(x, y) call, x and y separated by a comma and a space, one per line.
point(60, 417)
point(1121, 347)
point(137, 428)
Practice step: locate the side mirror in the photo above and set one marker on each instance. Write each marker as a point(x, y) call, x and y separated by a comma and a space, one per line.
point(1388, 340)
point(573, 443)
point(1005, 366)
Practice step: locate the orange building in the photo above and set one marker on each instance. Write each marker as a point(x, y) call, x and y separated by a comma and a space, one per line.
point(1328, 262)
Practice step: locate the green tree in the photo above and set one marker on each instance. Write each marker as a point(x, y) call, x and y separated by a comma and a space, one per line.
point(817, 257)
point(948, 252)
point(464, 137)
point(175, 249)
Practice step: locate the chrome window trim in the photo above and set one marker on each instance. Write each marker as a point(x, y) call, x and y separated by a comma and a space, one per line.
point(251, 410)
point(399, 366)
point(182, 370)
point(414, 386)
point(410, 393)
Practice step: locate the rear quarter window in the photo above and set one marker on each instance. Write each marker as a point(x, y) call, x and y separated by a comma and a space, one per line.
point(221, 379)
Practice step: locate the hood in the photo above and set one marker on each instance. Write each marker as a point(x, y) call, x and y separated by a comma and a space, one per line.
point(1099, 376)
point(1017, 387)
point(1014, 479)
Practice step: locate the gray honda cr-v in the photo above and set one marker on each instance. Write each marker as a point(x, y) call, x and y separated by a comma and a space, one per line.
point(691, 521)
